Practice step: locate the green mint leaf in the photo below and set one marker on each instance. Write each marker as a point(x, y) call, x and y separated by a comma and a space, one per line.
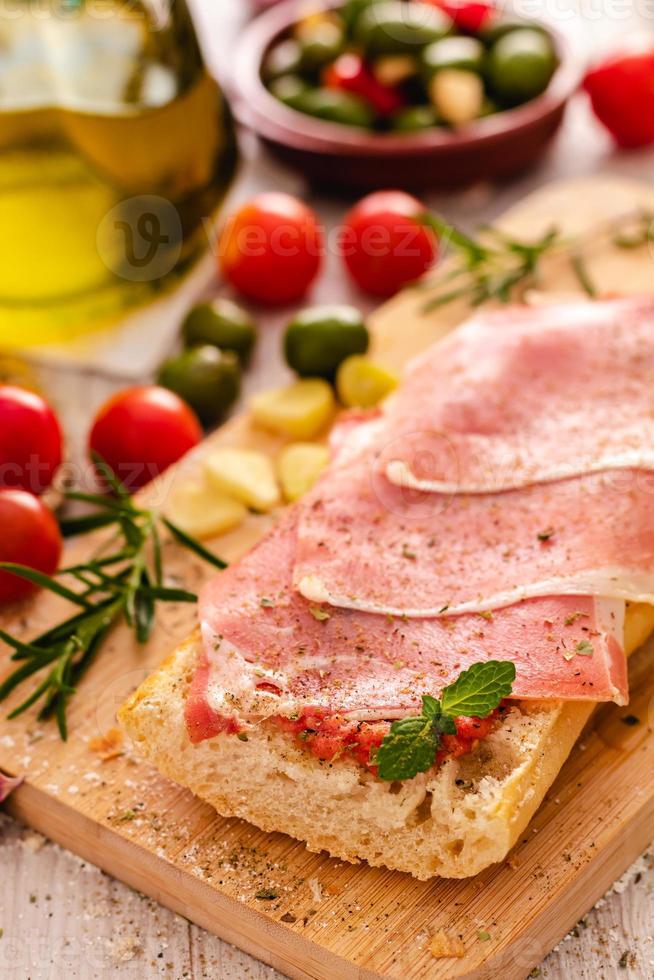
point(479, 690)
point(445, 725)
point(409, 748)
point(431, 707)
point(412, 743)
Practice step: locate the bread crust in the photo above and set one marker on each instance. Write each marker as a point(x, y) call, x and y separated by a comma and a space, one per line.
point(452, 822)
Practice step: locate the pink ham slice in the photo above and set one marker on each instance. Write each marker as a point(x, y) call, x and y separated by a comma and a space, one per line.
point(353, 431)
point(366, 544)
point(524, 395)
point(202, 722)
point(269, 652)
point(8, 784)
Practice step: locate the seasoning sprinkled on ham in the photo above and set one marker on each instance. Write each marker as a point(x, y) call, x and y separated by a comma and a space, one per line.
point(527, 395)
point(268, 655)
point(364, 543)
point(498, 507)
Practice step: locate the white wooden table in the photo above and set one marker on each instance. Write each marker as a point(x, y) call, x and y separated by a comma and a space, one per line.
point(61, 919)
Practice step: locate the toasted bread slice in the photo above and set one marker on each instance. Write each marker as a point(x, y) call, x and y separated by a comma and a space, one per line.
point(453, 821)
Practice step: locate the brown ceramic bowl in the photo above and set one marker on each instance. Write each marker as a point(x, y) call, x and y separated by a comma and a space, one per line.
point(493, 148)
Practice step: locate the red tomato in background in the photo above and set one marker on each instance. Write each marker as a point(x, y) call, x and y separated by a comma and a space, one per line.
point(31, 443)
point(468, 15)
point(29, 535)
point(271, 249)
point(621, 91)
point(351, 74)
point(140, 431)
point(384, 243)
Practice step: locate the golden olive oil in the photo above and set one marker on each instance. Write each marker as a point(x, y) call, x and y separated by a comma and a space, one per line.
point(115, 147)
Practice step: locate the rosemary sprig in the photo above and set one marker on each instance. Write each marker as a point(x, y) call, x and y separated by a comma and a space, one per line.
point(126, 583)
point(496, 266)
point(582, 274)
point(640, 231)
point(493, 266)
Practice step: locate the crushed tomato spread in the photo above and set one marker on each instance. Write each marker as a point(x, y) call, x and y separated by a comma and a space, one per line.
point(328, 736)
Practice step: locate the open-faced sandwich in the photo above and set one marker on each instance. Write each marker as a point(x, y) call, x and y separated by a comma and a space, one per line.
point(399, 669)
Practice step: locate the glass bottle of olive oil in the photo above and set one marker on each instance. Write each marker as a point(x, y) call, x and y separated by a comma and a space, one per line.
point(116, 146)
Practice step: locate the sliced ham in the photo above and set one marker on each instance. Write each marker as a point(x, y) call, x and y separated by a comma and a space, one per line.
point(202, 721)
point(366, 544)
point(527, 395)
point(353, 432)
point(8, 784)
point(499, 507)
point(270, 653)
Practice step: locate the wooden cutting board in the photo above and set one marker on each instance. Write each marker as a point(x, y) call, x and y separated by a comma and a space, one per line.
point(331, 919)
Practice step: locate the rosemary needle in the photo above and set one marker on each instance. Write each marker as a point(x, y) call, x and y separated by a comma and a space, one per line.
point(639, 232)
point(490, 269)
point(581, 272)
point(495, 265)
point(125, 584)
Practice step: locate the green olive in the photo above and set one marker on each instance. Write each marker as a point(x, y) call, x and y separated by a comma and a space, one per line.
point(489, 108)
point(288, 87)
point(318, 339)
point(334, 106)
point(415, 118)
point(283, 59)
point(352, 10)
point(321, 43)
point(520, 66)
point(499, 26)
point(223, 324)
point(466, 53)
point(393, 27)
point(207, 378)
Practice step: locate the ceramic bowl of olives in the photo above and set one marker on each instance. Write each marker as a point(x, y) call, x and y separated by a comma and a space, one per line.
point(413, 93)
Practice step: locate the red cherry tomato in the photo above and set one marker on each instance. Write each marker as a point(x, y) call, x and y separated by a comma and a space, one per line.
point(351, 74)
point(31, 443)
point(468, 15)
point(141, 431)
point(621, 91)
point(271, 249)
point(384, 244)
point(29, 535)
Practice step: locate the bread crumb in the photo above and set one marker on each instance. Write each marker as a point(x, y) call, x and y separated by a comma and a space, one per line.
point(33, 842)
point(316, 890)
point(108, 746)
point(124, 948)
point(444, 944)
